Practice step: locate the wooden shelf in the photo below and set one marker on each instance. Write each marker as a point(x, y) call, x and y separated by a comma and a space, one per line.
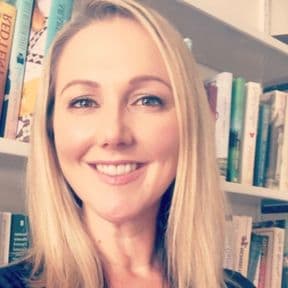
point(226, 47)
point(13, 147)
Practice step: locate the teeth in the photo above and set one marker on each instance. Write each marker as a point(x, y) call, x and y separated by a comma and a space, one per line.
point(116, 170)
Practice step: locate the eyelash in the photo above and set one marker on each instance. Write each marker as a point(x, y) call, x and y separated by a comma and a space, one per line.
point(86, 102)
point(150, 98)
point(83, 102)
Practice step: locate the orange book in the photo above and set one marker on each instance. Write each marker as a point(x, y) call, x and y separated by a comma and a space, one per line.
point(7, 22)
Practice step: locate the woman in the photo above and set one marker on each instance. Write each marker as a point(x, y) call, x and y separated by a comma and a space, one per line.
point(121, 147)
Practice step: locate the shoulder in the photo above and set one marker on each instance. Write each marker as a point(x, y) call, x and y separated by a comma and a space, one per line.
point(13, 276)
point(234, 279)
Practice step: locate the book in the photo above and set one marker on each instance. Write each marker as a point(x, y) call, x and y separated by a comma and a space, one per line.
point(221, 107)
point(256, 250)
point(274, 262)
point(5, 225)
point(242, 228)
point(19, 237)
point(7, 22)
point(247, 157)
point(48, 17)
point(283, 159)
point(14, 81)
point(280, 220)
point(261, 270)
point(277, 101)
point(236, 129)
point(274, 206)
point(261, 145)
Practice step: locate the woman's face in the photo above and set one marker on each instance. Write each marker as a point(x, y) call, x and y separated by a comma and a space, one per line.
point(115, 126)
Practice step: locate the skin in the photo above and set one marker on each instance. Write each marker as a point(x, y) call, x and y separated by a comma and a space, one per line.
point(114, 105)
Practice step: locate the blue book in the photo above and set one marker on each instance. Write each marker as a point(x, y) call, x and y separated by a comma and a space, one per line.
point(261, 145)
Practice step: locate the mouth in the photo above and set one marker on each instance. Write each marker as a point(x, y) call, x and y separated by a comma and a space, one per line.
point(117, 169)
point(118, 173)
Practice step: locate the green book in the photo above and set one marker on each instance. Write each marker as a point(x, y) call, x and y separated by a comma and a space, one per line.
point(236, 127)
point(19, 237)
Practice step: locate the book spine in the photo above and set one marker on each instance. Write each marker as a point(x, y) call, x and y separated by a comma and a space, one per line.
point(5, 229)
point(243, 227)
point(253, 92)
point(277, 100)
point(254, 255)
point(17, 67)
point(7, 22)
point(273, 271)
point(19, 242)
point(263, 263)
point(223, 109)
point(261, 145)
point(283, 171)
point(39, 41)
point(236, 127)
point(60, 13)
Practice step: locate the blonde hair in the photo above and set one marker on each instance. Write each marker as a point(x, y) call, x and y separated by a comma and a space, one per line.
point(191, 244)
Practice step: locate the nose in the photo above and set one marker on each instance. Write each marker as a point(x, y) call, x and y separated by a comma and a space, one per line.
point(115, 130)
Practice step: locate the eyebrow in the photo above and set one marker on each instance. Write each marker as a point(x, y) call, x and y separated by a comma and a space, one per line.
point(133, 81)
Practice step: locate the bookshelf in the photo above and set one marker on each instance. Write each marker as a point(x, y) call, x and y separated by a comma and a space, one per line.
point(218, 44)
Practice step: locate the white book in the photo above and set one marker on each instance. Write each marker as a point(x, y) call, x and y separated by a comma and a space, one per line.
point(274, 262)
point(242, 229)
point(223, 82)
point(277, 100)
point(283, 170)
point(250, 121)
point(5, 230)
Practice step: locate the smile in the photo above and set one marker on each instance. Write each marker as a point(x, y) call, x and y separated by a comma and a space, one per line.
point(116, 170)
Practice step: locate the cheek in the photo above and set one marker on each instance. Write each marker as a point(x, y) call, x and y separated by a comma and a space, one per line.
point(162, 138)
point(70, 138)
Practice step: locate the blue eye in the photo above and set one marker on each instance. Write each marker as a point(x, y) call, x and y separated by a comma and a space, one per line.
point(83, 102)
point(150, 101)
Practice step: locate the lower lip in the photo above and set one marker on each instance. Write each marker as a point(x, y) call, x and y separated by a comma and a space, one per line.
point(120, 179)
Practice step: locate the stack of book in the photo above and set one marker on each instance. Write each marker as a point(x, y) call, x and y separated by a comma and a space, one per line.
point(29, 27)
point(258, 250)
point(251, 131)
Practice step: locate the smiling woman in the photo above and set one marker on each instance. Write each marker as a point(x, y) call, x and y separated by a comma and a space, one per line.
point(122, 141)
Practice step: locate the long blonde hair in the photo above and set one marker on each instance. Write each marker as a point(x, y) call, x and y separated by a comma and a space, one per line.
point(191, 244)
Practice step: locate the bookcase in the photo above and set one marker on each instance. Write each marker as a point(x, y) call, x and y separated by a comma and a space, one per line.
point(219, 44)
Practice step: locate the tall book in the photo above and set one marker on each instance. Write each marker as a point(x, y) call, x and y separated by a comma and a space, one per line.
point(236, 128)
point(242, 237)
point(273, 269)
point(7, 23)
point(247, 157)
point(14, 82)
point(283, 169)
point(261, 145)
point(222, 109)
point(19, 237)
point(277, 100)
point(48, 17)
point(256, 251)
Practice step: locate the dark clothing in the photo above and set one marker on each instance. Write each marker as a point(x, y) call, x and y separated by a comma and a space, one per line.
point(14, 277)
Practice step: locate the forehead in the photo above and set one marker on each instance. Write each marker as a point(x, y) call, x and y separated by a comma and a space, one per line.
point(117, 46)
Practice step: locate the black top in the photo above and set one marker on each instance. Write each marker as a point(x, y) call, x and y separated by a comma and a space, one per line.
point(14, 277)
